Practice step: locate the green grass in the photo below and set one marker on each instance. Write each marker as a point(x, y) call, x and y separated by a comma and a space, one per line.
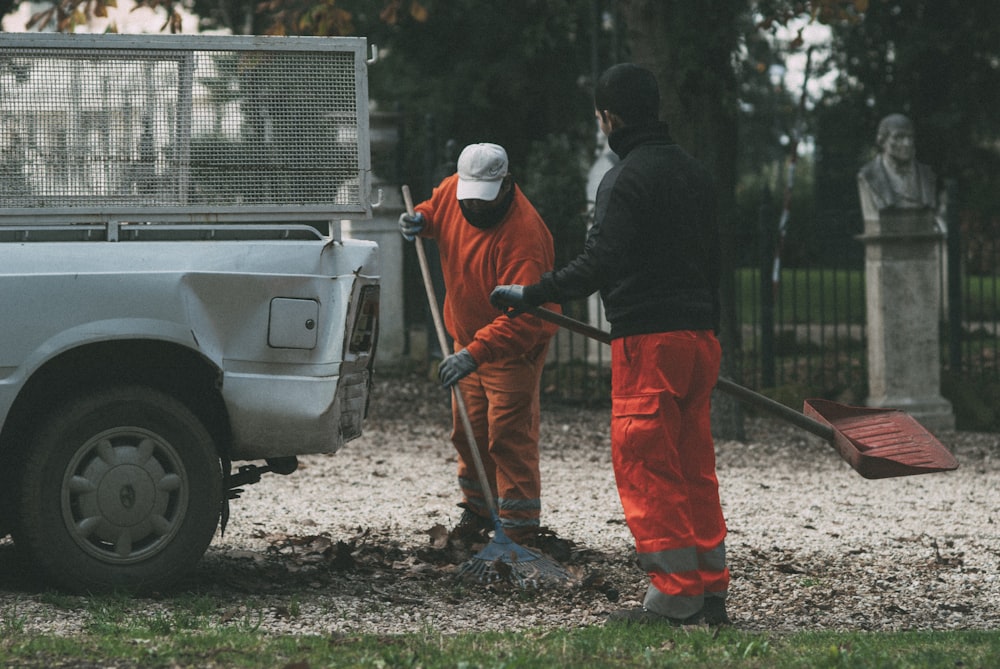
point(194, 638)
point(806, 296)
point(838, 296)
point(981, 300)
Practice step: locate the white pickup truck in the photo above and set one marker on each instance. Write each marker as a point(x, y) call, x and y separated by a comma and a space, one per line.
point(175, 296)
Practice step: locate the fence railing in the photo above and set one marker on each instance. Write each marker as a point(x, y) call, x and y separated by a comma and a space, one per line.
point(972, 294)
point(807, 330)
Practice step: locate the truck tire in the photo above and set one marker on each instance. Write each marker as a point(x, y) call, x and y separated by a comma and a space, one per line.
point(121, 490)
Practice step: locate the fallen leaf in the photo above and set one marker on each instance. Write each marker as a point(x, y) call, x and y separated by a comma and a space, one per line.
point(439, 536)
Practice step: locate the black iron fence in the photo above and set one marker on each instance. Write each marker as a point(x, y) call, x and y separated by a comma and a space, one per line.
point(972, 295)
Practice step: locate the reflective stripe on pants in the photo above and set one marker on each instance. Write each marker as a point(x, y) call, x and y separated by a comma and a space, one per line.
point(664, 462)
point(502, 400)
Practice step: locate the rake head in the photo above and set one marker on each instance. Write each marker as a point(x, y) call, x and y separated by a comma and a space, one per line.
point(502, 560)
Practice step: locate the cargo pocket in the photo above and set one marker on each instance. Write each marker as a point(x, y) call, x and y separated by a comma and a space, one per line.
point(635, 425)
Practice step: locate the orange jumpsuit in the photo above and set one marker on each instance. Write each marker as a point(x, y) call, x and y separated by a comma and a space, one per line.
point(502, 395)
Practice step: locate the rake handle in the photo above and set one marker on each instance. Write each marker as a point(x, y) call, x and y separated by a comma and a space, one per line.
point(470, 436)
point(725, 385)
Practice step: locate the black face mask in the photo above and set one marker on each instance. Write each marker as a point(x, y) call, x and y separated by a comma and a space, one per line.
point(487, 218)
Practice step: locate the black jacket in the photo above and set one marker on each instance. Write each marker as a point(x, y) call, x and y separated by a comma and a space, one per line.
point(653, 250)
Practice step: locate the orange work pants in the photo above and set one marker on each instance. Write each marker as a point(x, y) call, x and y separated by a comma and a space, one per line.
point(664, 463)
point(502, 400)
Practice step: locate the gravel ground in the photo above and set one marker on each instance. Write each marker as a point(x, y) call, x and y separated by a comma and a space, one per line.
point(352, 542)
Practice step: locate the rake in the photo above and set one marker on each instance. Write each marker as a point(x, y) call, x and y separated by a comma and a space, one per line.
point(501, 560)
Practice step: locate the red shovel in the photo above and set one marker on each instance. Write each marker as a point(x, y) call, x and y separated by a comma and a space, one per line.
point(877, 443)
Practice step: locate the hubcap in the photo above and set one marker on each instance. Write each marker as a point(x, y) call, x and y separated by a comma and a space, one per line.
point(124, 497)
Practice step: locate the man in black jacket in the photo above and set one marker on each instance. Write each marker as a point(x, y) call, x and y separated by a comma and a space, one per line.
point(653, 253)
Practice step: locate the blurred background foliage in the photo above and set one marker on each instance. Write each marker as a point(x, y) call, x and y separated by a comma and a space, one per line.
point(520, 73)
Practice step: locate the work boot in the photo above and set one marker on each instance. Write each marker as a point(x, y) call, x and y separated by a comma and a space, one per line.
point(471, 526)
point(714, 612)
point(643, 616)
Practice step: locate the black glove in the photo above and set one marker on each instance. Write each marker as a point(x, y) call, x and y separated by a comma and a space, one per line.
point(509, 299)
point(410, 226)
point(455, 367)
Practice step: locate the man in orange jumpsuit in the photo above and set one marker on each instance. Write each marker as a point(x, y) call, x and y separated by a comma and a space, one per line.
point(653, 253)
point(488, 233)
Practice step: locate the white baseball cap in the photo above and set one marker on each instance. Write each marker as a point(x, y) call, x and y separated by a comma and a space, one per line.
point(481, 169)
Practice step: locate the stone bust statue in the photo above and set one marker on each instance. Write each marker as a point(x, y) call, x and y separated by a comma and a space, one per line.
point(894, 178)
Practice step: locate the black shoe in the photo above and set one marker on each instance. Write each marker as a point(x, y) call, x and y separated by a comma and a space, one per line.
point(643, 616)
point(471, 526)
point(714, 612)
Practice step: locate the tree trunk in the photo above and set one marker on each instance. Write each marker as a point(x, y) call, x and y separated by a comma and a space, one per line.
point(689, 47)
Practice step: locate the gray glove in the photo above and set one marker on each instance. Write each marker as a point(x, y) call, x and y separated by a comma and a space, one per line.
point(509, 299)
point(410, 226)
point(455, 367)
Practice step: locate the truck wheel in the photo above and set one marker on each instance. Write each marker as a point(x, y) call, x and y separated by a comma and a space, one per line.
point(121, 489)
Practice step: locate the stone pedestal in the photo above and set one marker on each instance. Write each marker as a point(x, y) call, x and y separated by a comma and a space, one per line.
point(903, 293)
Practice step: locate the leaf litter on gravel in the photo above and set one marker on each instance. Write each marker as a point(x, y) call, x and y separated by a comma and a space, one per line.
point(368, 552)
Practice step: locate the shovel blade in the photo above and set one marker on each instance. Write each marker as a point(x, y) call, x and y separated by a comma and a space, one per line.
point(881, 443)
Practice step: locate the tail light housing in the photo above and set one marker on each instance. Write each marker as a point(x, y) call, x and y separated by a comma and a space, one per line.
point(365, 331)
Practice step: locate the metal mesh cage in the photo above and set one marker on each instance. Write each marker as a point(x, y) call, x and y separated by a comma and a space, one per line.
point(124, 126)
